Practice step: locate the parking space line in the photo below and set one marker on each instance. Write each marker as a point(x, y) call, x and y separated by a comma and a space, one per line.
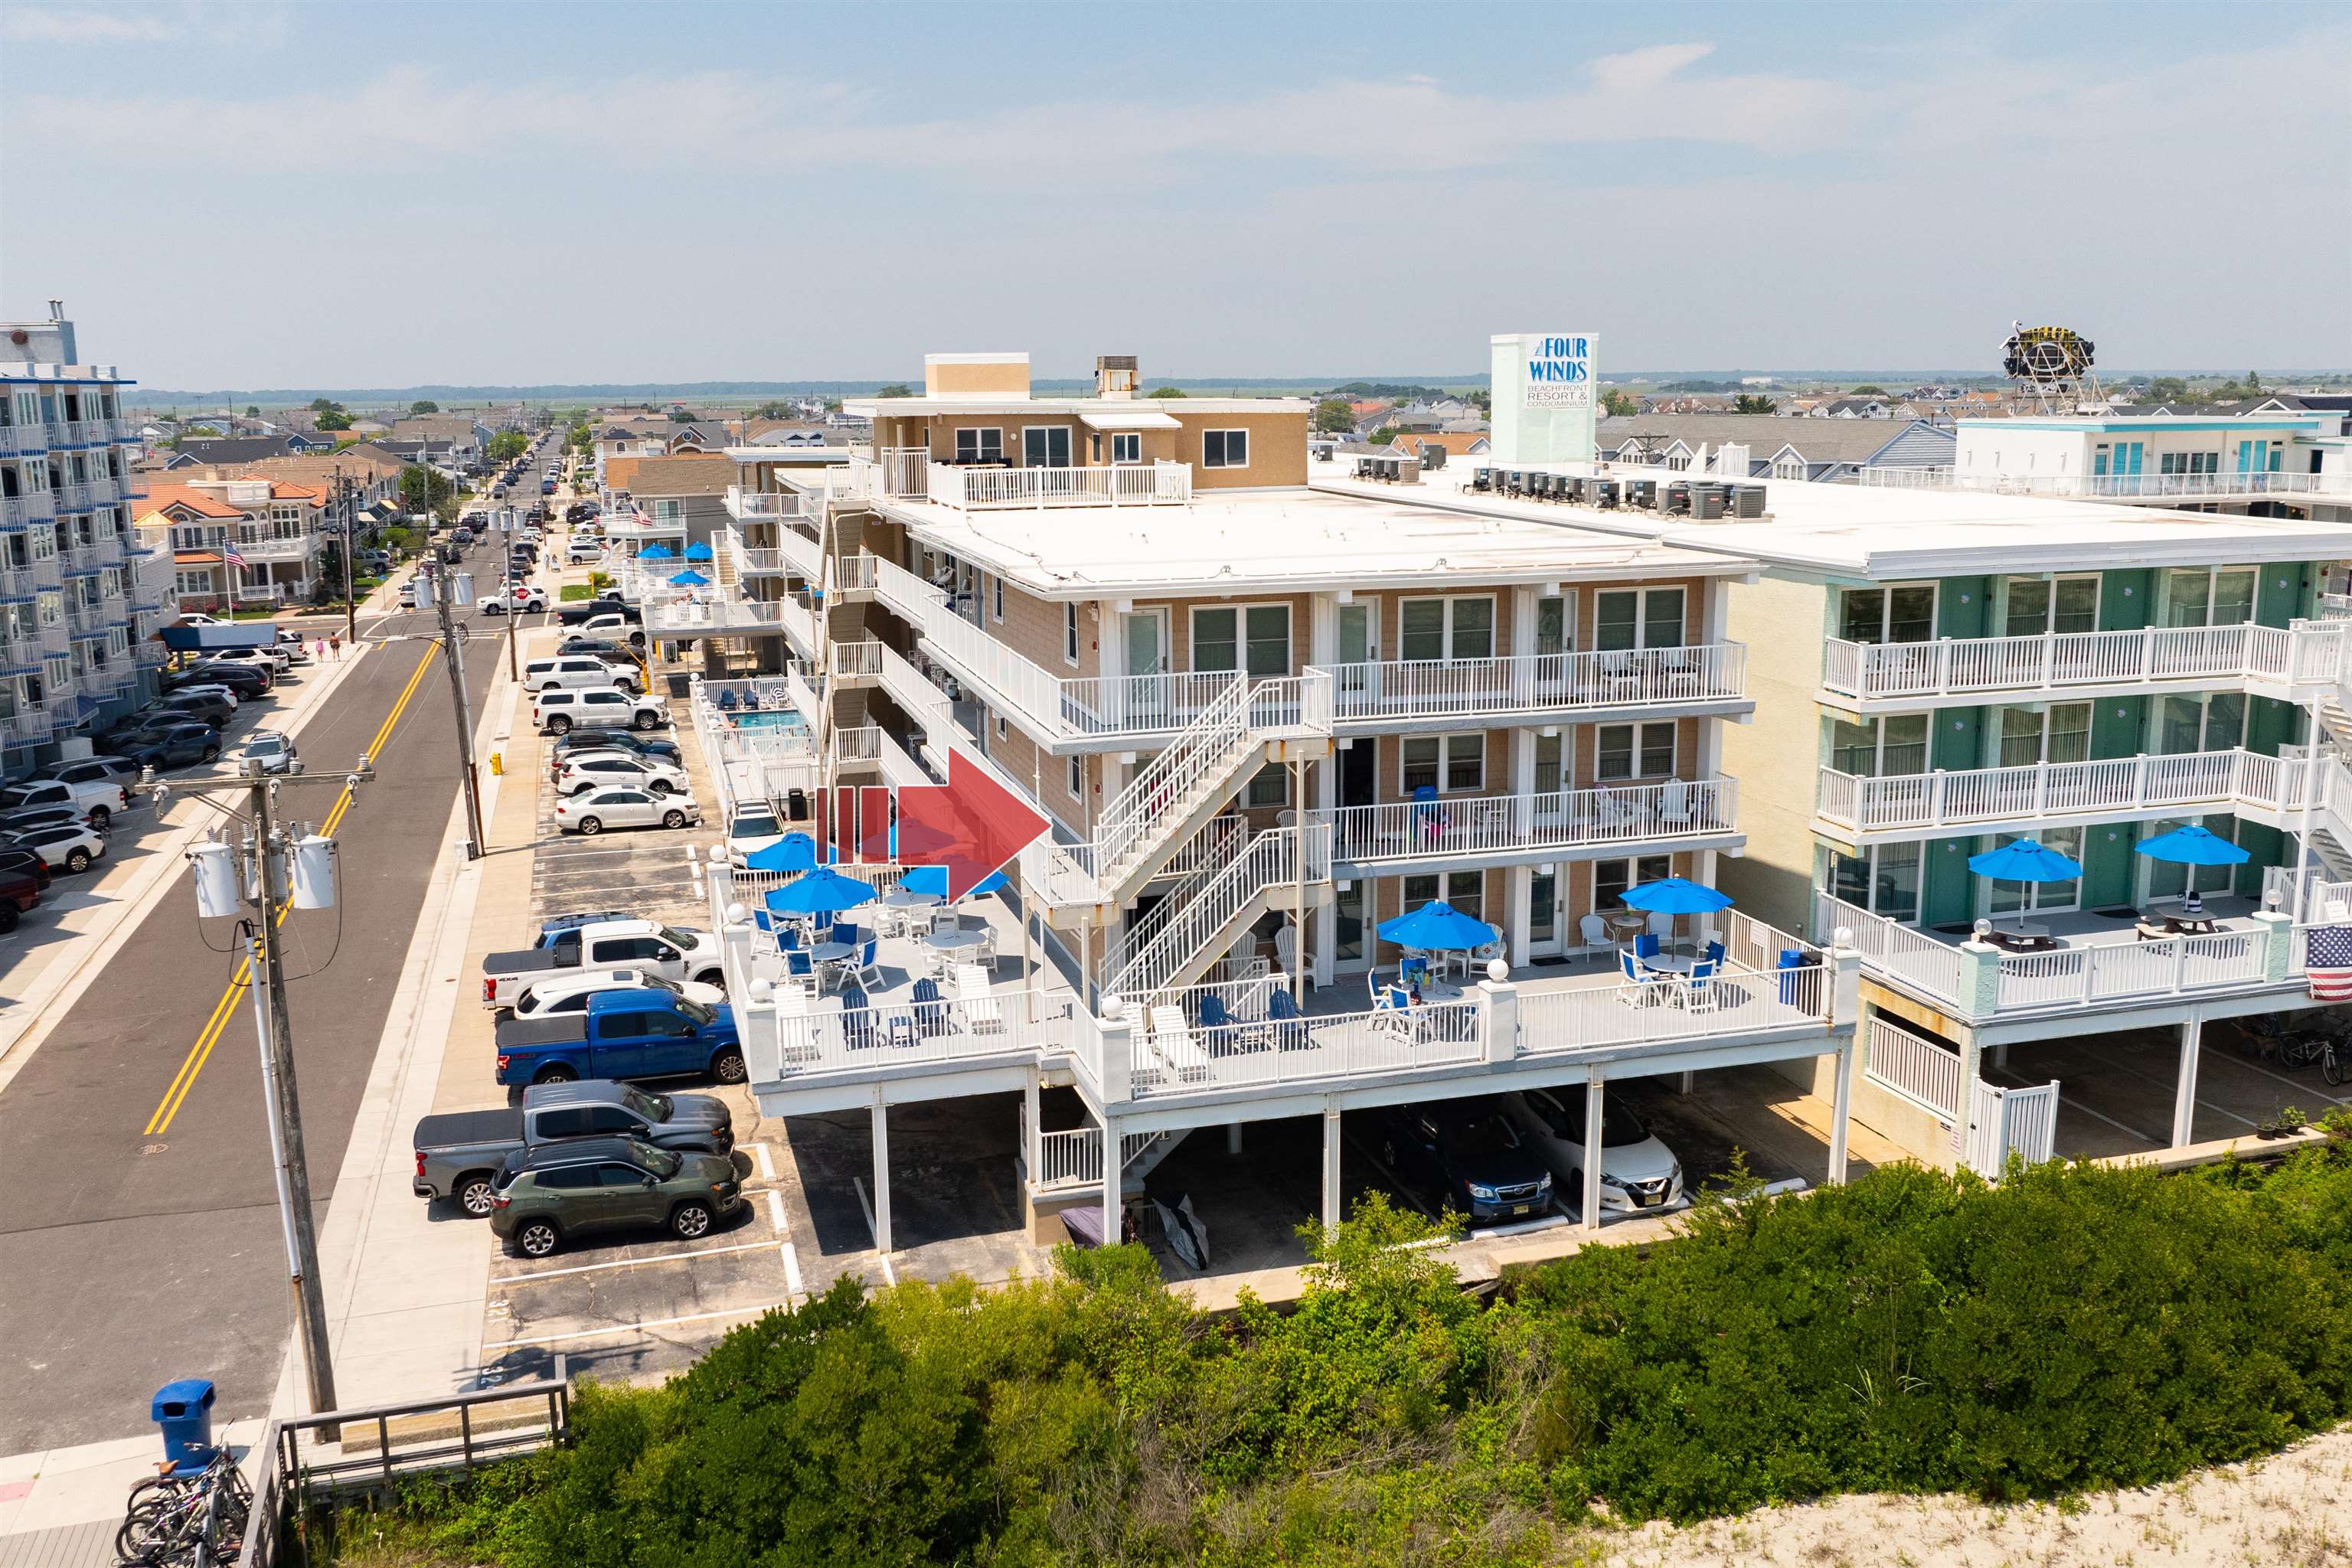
point(2282, 1077)
point(2076, 1105)
point(2175, 1086)
point(776, 1212)
point(634, 1262)
point(793, 1272)
point(767, 1166)
point(889, 1275)
point(638, 1327)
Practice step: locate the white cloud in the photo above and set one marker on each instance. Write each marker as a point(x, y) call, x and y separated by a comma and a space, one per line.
point(76, 25)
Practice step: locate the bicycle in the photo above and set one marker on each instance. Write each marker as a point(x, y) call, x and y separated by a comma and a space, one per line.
point(176, 1516)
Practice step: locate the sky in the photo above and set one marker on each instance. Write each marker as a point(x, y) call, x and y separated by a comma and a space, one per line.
point(246, 194)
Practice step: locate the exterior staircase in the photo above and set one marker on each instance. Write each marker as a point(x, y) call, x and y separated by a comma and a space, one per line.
point(1288, 869)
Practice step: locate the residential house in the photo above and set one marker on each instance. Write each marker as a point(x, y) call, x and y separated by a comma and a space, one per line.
point(1781, 449)
point(461, 435)
point(676, 502)
point(206, 451)
point(239, 540)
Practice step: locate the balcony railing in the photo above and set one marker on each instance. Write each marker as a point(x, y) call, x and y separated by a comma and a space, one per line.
point(23, 440)
point(2306, 653)
point(2112, 487)
point(38, 506)
point(277, 548)
point(754, 506)
point(1544, 682)
point(1487, 825)
point(1988, 797)
point(1160, 483)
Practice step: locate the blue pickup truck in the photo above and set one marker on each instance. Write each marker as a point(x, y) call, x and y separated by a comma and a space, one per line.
point(622, 1035)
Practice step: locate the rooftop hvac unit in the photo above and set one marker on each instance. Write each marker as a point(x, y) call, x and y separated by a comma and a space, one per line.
point(1708, 502)
point(1642, 493)
point(1675, 500)
point(1747, 500)
point(1579, 490)
point(1433, 456)
point(1605, 492)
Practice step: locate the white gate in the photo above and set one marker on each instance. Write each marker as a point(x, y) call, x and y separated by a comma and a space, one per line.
point(2002, 1122)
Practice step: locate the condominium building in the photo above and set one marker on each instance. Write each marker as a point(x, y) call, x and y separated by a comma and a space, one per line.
point(1262, 721)
point(69, 554)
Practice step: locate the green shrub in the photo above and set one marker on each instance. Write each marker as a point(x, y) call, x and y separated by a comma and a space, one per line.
point(2075, 1327)
point(573, 592)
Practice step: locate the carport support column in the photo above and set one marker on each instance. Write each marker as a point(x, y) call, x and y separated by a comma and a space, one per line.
point(2184, 1094)
point(1841, 1107)
point(1589, 1201)
point(1330, 1165)
point(1114, 1180)
point(881, 1119)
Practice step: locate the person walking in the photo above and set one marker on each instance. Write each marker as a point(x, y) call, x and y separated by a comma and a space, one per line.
point(318, 649)
point(335, 645)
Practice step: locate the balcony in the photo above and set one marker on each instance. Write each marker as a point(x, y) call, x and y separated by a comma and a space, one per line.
point(1398, 837)
point(1160, 483)
point(2116, 487)
point(2059, 794)
point(2276, 661)
point(763, 506)
point(36, 506)
point(23, 440)
point(1398, 695)
point(301, 548)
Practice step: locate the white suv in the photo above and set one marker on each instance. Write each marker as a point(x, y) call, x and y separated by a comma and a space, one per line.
point(575, 671)
point(560, 709)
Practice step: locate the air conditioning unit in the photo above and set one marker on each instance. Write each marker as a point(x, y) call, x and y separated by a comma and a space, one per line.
point(1642, 493)
point(1747, 500)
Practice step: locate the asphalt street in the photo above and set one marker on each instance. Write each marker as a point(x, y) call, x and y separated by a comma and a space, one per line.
point(141, 1242)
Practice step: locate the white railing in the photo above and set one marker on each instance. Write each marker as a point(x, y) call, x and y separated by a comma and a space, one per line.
point(2305, 653)
point(1205, 856)
point(1069, 1159)
point(778, 1047)
point(1174, 1056)
point(1141, 704)
point(1436, 689)
point(717, 616)
point(748, 506)
point(1737, 1000)
point(2078, 974)
point(973, 490)
point(1012, 681)
point(857, 660)
point(1202, 755)
point(1495, 825)
point(2304, 892)
point(862, 744)
point(1992, 796)
point(2110, 487)
point(913, 690)
point(904, 471)
point(1895, 951)
point(1915, 1069)
point(35, 506)
point(1271, 859)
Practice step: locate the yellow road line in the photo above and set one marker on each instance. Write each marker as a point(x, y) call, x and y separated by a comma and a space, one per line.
point(193, 1062)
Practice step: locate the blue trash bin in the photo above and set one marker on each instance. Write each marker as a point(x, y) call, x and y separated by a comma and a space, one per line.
point(1791, 958)
point(183, 1409)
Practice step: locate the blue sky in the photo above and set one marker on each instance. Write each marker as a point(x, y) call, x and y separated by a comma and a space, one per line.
point(241, 194)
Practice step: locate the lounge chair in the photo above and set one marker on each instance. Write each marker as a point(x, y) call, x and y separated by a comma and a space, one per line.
point(1642, 981)
point(857, 1027)
point(1173, 1043)
point(982, 1013)
point(726, 703)
point(1285, 1025)
point(931, 1010)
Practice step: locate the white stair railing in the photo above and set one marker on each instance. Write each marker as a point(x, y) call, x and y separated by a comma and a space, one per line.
point(1272, 859)
point(1203, 752)
point(1217, 846)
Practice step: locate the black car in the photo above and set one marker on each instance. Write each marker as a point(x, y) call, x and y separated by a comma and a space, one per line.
point(174, 746)
point(598, 647)
point(571, 614)
point(1468, 1152)
point(247, 680)
point(17, 862)
point(201, 705)
point(616, 740)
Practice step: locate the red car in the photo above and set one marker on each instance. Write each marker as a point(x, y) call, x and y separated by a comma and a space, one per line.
point(20, 891)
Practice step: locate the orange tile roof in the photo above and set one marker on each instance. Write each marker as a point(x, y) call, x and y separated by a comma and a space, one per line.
point(619, 472)
point(160, 496)
point(286, 489)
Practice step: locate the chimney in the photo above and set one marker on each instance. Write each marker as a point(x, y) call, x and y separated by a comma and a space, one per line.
point(1115, 376)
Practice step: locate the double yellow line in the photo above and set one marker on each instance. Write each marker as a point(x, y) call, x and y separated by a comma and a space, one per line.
point(226, 1009)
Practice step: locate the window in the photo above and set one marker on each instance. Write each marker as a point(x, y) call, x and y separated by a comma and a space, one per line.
point(1126, 446)
point(1046, 447)
point(2058, 733)
point(2039, 604)
point(1070, 631)
point(1884, 880)
point(1446, 628)
point(996, 596)
point(1902, 611)
point(1224, 448)
point(1077, 779)
point(2208, 595)
point(1610, 878)
point(1254, 638)
point(1000, 726)
point(1451, 765)
point(1648, 617)
point(1464, 891)
point(1635, 751)
point(980, 446)
point(1889, 747)
point(2214, 722)
point(2189, 463)
point(2168, 879)
point(1267, 787)
point(2009, 898)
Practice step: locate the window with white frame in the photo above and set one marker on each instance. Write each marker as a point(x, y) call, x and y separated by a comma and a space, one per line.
point(1637, 617)
point(2033, 605)
point(2208, 597)
point(1464, 891)
point(1046, 447)
point(1446, 628)
point(1624, 751)
point(1450, 764)
point(1224, 448)
point(1899, 612)
point(1612, 878)
point(984, 443)
point(1126, 446)
point(996, 596)
point(1253, 638)
point(195, 582)
point(1078, 778)
point(1070, 631)
point(1884, 879)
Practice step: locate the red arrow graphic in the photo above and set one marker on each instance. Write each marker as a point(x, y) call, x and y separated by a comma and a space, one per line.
point(972, 824)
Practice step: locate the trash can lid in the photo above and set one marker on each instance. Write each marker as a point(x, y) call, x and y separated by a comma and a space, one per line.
point(184, 1391)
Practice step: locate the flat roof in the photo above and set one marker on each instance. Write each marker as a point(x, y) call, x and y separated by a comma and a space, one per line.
point(1290, 541)
point(877, 407)
point(1864, 531)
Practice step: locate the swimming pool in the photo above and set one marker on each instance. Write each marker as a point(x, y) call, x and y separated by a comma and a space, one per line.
point(770, 719)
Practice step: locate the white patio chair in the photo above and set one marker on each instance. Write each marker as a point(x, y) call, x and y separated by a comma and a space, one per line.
point(1595, 932)
point(1173, 1043)
point(1674, 805)
point(982, 1015)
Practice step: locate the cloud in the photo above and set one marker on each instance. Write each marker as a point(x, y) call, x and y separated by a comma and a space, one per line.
point(62, 25)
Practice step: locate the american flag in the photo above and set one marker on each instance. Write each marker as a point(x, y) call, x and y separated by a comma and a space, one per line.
point(229, 554)
point(2327, 961)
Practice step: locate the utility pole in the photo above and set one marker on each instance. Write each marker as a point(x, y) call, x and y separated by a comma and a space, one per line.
point(351, 538)
point(454, 649)
point(273, 849)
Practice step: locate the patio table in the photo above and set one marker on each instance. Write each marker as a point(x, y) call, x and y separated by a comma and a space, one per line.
point(1625, 925)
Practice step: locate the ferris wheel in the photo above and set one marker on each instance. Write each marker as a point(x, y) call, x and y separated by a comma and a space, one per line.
point(2052, 366)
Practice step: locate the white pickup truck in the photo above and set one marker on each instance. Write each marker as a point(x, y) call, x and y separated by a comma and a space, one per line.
point(670, 953)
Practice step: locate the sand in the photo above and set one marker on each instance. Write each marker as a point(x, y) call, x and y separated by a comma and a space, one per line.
point(2292, 1509)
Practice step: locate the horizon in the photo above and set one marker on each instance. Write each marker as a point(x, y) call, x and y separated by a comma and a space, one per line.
point(1749, 188)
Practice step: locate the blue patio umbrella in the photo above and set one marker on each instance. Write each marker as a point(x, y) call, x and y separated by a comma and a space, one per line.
point(654, 553)
point(698, 550)
point(1437, 926)
point(1676, 896)
point(2024, 860)
point(933, 880)
point(2191, 846)
point(691, 579)
point(792, 852)
point(822, 892)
